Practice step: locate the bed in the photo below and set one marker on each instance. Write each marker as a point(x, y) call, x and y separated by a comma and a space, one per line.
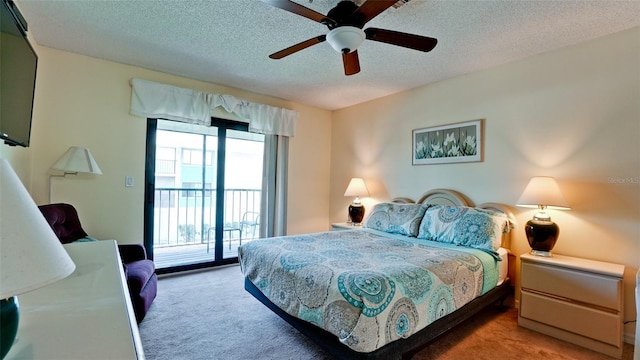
point(385, 291)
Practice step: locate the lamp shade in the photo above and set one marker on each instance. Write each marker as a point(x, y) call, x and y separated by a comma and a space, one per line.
point(543, 191)
point(31, 256)
point(356, 187)
point(77, 160)
point(345, 39)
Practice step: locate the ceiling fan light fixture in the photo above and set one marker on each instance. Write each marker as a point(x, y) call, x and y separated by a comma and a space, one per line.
point(345, 39)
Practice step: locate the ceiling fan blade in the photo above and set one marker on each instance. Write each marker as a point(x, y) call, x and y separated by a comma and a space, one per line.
point(372, 8)
point(411, 41)
point(351, 63)
point(298, 9)
point(297, 47)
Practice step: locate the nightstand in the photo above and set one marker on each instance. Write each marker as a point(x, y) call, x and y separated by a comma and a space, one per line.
point(576, 300)
point(345, 226)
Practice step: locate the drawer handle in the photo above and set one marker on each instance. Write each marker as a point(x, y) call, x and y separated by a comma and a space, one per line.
point(572, 301)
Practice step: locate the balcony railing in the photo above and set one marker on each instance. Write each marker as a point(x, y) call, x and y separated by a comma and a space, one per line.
point(187, 216)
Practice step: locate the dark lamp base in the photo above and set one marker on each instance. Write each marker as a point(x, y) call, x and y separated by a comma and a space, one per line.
point(542, 236)
point(8, 324)
point(356, 213)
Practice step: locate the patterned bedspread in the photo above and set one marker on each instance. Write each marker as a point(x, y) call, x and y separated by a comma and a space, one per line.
point(368, 288)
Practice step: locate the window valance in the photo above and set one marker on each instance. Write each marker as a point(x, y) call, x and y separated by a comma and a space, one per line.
point(155, 100)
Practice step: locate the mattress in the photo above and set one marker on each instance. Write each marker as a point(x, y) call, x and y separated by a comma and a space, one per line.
point(503, 265)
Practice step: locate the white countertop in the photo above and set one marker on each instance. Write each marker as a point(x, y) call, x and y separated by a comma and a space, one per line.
point(87, 315)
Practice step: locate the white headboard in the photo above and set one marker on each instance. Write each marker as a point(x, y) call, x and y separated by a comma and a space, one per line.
point(443, 197)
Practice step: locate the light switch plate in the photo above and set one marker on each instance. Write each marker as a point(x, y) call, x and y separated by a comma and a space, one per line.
point(128, 181)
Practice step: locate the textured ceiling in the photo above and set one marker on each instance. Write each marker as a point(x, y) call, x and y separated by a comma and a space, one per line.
point(227, 42)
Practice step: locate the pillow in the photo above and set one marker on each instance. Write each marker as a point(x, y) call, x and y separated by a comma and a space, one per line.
point(463, 226)
point(403, 219)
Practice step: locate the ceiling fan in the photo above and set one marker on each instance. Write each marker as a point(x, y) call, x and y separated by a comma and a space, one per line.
point(345, 22)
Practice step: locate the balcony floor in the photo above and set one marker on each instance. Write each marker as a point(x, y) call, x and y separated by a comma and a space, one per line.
point(169, 256)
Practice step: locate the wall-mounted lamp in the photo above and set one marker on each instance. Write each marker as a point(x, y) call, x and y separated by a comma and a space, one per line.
point(543, 193)
point(356, 188)
point(75, 160)
point(31, 256)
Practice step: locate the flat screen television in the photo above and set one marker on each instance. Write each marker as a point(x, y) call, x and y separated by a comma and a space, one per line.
point(18, 65)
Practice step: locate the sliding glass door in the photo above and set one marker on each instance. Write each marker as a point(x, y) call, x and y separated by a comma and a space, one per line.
point(203, 192)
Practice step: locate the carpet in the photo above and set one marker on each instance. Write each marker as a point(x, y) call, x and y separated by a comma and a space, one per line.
point(208, 315)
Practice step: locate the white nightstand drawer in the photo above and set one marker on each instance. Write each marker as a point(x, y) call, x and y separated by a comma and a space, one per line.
point(586, 287)
point(595, 324)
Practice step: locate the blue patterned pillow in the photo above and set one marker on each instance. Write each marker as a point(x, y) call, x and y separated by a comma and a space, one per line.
point(395, 218)
point(464, 226)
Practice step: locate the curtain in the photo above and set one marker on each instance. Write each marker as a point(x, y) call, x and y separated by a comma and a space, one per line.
point(260, 117)
point(154, 100)
point(160, 101)
point(273, 205)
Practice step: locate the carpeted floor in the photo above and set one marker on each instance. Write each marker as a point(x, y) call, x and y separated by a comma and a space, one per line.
point(208, 315)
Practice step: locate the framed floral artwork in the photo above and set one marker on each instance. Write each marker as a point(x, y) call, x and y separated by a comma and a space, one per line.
point(453, 143)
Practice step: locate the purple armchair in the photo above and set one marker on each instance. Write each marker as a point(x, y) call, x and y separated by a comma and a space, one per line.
point(139, 271)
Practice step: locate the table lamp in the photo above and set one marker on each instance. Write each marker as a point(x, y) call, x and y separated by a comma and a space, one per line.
point(543, 193)
point(356, 188)
point(31, 256)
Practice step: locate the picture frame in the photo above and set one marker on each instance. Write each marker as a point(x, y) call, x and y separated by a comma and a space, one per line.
point(452, 143)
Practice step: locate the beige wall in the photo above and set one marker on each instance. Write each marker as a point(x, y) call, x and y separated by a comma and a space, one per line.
point(20, 160)
point(84, 101)
point(573, 114)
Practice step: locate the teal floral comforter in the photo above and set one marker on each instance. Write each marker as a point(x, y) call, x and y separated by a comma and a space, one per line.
point(367, 287)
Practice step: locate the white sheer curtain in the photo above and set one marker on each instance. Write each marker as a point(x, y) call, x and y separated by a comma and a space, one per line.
point(274, 186)
point(154, 100)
